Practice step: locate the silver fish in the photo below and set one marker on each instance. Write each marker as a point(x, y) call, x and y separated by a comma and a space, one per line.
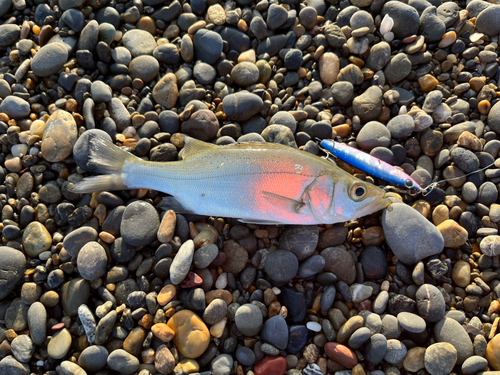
point(260, 183)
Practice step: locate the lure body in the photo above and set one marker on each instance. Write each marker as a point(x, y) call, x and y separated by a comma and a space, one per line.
point(369, 164)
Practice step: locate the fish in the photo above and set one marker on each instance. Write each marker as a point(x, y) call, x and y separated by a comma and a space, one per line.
point(369, 164)
point(258, 183)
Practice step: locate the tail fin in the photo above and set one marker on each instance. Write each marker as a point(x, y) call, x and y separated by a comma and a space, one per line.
point(105, 158)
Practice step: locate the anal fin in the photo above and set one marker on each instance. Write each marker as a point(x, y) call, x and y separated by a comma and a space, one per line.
point(170, 203)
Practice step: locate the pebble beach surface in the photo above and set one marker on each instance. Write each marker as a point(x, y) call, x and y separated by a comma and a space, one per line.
point(108, 283)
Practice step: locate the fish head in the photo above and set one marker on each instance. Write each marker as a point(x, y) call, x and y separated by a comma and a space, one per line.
point(336, 196)
point(354, 198)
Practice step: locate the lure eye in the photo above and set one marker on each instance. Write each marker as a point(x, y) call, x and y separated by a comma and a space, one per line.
point(358, 192)
point(408, 183)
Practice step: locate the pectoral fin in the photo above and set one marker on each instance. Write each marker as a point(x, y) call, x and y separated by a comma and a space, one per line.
point(259, 222)
point(319, 195)
point(283, 203)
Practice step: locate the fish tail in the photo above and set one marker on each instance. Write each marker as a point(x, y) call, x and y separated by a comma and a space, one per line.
point(106, 158)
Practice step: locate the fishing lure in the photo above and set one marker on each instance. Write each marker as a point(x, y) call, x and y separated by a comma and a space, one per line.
point(381, 169)
point(369, 164)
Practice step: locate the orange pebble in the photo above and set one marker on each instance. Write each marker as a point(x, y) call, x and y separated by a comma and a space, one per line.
point(484, 107)
point(342, 130)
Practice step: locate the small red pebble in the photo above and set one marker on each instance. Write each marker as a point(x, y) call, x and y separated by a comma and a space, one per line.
point(58, 326)
point(192, 280)
point(271, 366)
point(341, 354)
point(409, 39)
point(365, 305)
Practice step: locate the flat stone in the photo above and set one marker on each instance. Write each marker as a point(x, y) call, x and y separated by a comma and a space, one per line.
point(49, 59)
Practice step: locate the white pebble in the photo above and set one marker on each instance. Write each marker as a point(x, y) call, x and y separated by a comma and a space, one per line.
point(45, 255)
point(221, 282)
point(276, 291)
point(130, 132)
point(314, 326)
point(403, 110)
point(34, 151)
point(389, 37)
point(19, 150)
point(386, 25)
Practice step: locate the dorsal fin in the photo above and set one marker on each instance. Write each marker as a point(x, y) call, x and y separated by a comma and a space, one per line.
point(193, 147)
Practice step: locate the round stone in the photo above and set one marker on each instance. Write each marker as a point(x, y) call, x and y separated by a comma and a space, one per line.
point(144, 67)
point(248, 319)
point(245, 74)
point(36, 239)
point(93, 358)
point(396, 352)
point(281, 266)
point(139, 42)
point(339, 262)
point(430, 303)
point(207, 46)
point(440, 358)
point(92, 261)
point(139, 224)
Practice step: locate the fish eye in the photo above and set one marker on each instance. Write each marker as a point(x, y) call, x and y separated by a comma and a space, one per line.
point(408, 183)
point(357, 192)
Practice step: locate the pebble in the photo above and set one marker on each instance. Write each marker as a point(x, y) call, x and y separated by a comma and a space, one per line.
point(59, 344)
point(411, 322)
point(139, 224)
point(430, 303)
point(440, 358)
point(275, 332)
point(121, 361)
point(92, 261)
point(49, 59)
point(248, 319)
point(59, 137)
point(93, 358)
point(139, 42)
point(15, 108)
point(12, 267)
point(281, 266)
point(191, 334)
point(409, 250)
point(449, 331)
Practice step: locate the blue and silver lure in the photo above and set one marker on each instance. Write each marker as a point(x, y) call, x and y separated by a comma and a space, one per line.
point(369, 164)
